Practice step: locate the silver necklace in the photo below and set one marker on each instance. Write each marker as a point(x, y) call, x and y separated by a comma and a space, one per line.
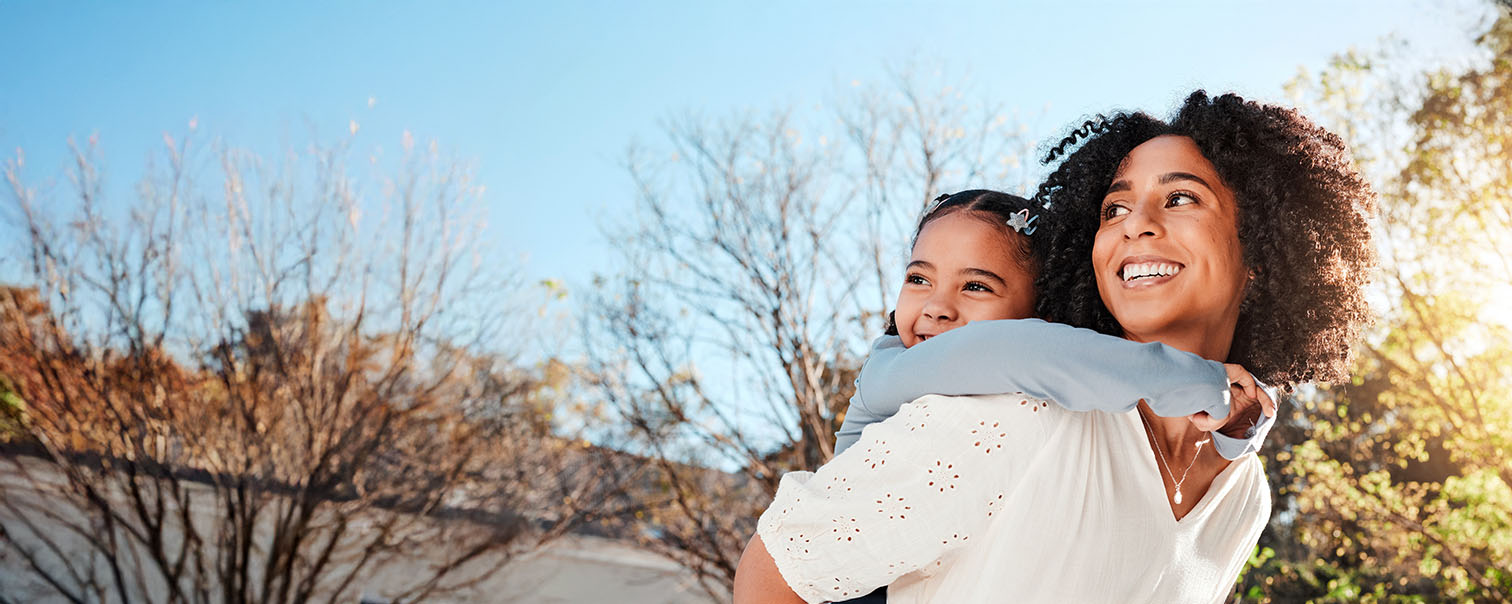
point(1150, 431)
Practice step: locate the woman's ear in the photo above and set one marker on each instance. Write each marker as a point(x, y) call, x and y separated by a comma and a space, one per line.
point(892, 324)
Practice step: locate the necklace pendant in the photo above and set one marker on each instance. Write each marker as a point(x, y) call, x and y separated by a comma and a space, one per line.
point(1176, 498)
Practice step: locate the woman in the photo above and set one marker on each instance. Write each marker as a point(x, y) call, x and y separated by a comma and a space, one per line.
point(1237, 232)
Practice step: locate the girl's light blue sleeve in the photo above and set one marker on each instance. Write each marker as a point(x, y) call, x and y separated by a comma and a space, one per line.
point(1079, 368)
point(858, 415)
point(1234, 448)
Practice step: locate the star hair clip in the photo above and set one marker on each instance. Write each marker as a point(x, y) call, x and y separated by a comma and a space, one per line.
point(1022, 222)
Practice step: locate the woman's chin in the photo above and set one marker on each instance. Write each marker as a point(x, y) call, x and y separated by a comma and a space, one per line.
point(1151, 325)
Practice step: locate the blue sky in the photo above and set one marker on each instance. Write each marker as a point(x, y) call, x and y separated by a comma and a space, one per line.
point(544, 98)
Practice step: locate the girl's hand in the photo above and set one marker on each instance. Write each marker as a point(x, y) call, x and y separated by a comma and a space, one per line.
point(1247, 402)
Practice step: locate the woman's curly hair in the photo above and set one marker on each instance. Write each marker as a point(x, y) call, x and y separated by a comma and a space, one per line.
point(1303, 217)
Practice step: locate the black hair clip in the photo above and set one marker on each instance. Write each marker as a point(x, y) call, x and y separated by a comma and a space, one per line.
point(937, 201)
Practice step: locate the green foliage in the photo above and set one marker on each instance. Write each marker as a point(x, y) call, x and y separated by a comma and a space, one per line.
point(12, 412)
point(1395, 486)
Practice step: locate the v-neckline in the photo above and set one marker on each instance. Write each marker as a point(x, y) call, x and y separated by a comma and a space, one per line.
point(1159, 492)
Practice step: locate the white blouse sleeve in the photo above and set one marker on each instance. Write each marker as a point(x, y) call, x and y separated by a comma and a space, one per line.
point(916, 487)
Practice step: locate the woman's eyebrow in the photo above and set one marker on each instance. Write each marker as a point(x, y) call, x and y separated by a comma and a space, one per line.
point(1165, 179)
point(1170, 177)
point(919, 263)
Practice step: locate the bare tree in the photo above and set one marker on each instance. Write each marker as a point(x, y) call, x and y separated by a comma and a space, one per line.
point(758, 266)
point(275, 389)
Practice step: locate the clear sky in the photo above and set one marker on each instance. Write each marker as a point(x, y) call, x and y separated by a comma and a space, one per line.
point(544, 98)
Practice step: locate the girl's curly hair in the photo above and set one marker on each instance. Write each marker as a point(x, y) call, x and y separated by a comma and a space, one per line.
point(1303, 218)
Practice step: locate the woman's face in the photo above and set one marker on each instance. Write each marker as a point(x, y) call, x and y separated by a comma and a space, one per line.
point(962, 270)
point(1167, 252)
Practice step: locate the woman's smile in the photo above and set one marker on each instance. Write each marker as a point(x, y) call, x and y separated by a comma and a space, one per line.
point(1146, 271)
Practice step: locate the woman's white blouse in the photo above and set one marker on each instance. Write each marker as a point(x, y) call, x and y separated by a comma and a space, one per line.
point(1005, 498)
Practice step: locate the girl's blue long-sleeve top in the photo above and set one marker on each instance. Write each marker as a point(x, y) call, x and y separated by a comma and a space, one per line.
point(1080, 369)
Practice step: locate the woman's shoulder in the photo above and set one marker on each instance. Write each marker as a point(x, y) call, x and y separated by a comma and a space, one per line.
point(1256, 479)
point(1009, 403)
point(1245, 488)
point(1007, 413)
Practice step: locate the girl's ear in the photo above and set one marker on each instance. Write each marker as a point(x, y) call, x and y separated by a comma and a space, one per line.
point(892, 324)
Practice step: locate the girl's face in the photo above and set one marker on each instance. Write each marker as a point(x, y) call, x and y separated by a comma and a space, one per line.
point(963, 269)
point(1167, 253)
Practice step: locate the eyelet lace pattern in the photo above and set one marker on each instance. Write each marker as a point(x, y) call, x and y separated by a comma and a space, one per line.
point(930, 478)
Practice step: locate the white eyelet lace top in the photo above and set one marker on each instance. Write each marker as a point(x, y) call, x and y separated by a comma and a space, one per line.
point(1006, 498)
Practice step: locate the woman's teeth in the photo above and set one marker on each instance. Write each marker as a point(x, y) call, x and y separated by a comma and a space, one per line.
point(1149, 269)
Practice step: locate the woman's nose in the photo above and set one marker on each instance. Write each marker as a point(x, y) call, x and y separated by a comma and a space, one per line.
point(1142, 222)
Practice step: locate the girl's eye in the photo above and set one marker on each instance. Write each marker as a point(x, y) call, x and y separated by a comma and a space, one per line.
point(915, 279)
point(978, 286)
point(1180, 198)
point(1113, 210)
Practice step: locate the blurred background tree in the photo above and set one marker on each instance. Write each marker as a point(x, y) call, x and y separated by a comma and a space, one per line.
point(763, 256)
point(282, 388)
point(1395, 487)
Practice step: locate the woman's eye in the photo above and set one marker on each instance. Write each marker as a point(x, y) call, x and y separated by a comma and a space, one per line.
point(1113, 210)
point(915, 280)
point(976, 286)
point(1180, 199)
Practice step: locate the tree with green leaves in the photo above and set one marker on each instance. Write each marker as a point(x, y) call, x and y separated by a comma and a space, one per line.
point(1398, 485)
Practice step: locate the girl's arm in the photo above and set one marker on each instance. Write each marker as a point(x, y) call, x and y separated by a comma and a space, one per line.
point(858, 414)
point(1078, 368)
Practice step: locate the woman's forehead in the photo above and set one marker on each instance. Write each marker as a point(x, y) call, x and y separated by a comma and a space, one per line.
point(1164, 154)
